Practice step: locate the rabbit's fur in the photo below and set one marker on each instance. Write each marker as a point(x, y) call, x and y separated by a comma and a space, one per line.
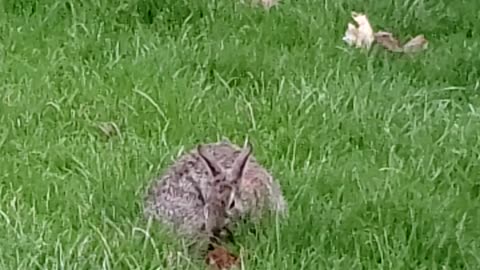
point(210, 187)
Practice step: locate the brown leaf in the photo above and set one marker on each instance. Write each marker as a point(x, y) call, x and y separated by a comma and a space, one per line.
point(267, 4)
point(388, 41)
point(108, 129)
point(221, 259)
point(416, 44)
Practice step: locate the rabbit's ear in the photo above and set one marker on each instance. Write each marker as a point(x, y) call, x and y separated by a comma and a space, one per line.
point(210, 161)
point(240, 164)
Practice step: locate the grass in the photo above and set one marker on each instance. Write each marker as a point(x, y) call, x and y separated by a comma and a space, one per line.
point(377, 154)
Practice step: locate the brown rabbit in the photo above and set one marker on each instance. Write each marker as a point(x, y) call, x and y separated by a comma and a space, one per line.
point(211, 186)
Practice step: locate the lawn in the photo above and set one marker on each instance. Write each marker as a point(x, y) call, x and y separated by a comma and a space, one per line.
point(377, 153)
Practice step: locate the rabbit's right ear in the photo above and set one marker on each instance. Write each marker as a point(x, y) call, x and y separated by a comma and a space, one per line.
point(209, 160)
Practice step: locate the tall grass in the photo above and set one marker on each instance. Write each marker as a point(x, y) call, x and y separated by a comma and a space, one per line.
point(377, 154)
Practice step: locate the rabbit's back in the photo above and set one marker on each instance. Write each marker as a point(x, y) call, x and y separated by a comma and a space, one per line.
point(173, 199)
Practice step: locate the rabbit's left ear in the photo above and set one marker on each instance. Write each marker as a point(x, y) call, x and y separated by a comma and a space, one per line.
point(209, 160)
point(240, 164)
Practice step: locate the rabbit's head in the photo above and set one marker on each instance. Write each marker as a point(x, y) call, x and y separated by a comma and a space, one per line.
point(222, 198)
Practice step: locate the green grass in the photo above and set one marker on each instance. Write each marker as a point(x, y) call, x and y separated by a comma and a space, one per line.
point(378, 154)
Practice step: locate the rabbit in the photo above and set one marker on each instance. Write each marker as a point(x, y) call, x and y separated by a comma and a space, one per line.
point(211, 187)
point(194, 196)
